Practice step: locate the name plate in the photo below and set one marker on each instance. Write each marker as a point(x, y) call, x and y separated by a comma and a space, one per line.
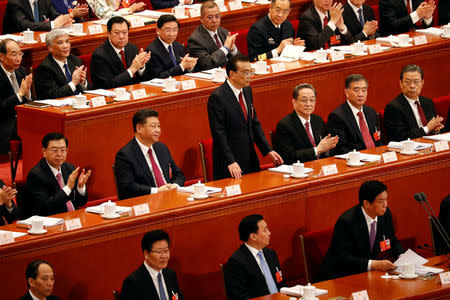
point(389, 156)
point(194, 12)
point(6, 238)
point(336, 55)
point(328, 170)
point(278, 67)
point(188, 84)
point(98, 101)
point(361, 295)
point(138, 94)
point(94, 29)
point(233, 190)
point(376, 48)
point(222, 8)
point(136, 22)
point(141, 209)
point(72, 224)
point(420, 40)
point(441, 146)
point(43, 36)
point(445, 277)
point(234, 5)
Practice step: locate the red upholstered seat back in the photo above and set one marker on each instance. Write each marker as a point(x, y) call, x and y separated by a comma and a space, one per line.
point(314, 247)
point(376, 12)
point(2, 13)
point(295, 25)
point(383, 128)
point(86, 59)
point(207, 164)
point(99, 201)
point(241, 41)
point(148, 4)
point(441, 105)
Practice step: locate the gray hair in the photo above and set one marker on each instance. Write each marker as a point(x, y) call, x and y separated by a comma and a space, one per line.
point(300, 87)
point(53, 35)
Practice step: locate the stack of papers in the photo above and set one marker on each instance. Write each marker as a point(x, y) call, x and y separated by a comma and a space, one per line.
point(417, 146)
point(62, 102)
point(432, 31)
point(101, 92)
point(201, 75)
point(101, 21)
point(190, 189)
point(391, 39)
point(287, 169)
point(48, 222)
point(17, 38)
point(439, 137)
point(364, 157)
point(158, 82)
point(14, 233)
point(348, 49)
point(151, 14)
point(411, 257)
point(292, 51)
point(283, 59)
point(298, 291)
point(99, 209)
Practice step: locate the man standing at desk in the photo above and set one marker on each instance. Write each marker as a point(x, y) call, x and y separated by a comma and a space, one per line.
point(410, 115)
point(212, 44)
point(234, 125)
point(15, 86)
point(116, 62)
point(144, 166)
point(253, 270)
point(360, 20)
point(363, 236)
point(40, 281)
point(355, 123)
point(268, 37)
point(53, 185)
point(153, 280)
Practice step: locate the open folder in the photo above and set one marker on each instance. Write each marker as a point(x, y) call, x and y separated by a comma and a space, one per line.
point(298, 291)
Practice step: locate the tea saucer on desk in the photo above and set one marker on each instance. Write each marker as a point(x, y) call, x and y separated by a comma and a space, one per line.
point(445, 36)
point(409, 153)
point(300, 176)
point(29, 43)
point(360, 54)
point(402, 276)
point(360, 164)
point(315, 298)
point(321, 61)
point(77, 33)
point(115, 216)
point(81, 107)
point(170, 91)
point(204, 196)
point(262, 73)
point(37, 232)
point(397, 45)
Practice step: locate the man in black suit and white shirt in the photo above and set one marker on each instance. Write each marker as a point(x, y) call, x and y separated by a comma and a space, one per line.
point(40, 281)
point(168, 55)
point(399, 16)
point(36, 15)
point(60, 74)
point(153, 280)
point(116, 62)
point(144, 166)
point(210, 43)
point(360, 20)
point(364, 237)
point(234, 125)
point(410, 115)
point(301, 135)
point(8, 209)
point(253, 270)
point(355, 123)
point(53, 185)
point(15, 85)
point(322, 26)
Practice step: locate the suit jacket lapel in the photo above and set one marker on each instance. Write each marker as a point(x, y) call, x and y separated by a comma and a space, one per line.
point(316, 16)
point(247, 97)
point(409, 114)
point(51, 176)
point(147, 281)
point(300, 129)
point(253, 264)
point(207, 38)
point(361, 222)
point(142, 161)
point(352, 121)
point(317, 129)
point(59, 73)
point(162, 161)
point(5, 80)
point(117, 63)
point(233, 101)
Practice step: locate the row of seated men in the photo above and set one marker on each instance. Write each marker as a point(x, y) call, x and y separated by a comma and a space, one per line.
point(363, 240)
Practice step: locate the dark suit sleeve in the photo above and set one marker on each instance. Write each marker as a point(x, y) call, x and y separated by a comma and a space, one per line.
point(396, 247)
point(314, 39)
point(52, 13)
point(236, 282)
point(392, 22)
point(9, 102)
point(285, 146)
point(258, 133)
point(160, 4)
point(155, 67)
point(255, 41)
point(397, 127)
point(336, 126)
point(9, 216)
point(129, 290)
point(47, 87)
point(102, 73)
point(172, 276)
point(205, 60)
point(125, 177)
point(23, 22)
point(177, 174)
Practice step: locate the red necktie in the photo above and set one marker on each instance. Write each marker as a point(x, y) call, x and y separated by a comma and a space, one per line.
point(69, 204)
point(308, 132)
point(421, 113)
point(124, 62)
point(325, 22)
point(156, 171)
point(216, 38)
point(365, 131)
point(408, 7)
point(241, 102)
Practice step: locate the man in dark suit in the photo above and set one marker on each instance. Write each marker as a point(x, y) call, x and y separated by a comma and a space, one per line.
point(60, 74)
point(444, 12)
point(322, 26)
point(8, 209)
point(21, 15)
point(253, 270)
point(161, 4)
point(301, 135)
point(268, 37)
point(153, 280)
point(144, 166)
point(400, 16)
point(15, 86)
point(444, 218)
point(211, 44)
point(70, 7)
point(116, 62)
point(360, 20)
point(410, 115)
point(355, 123)
point(168, 55)
point(364, 237)
point(234, 125)
point(53, 185)
point(40, 281)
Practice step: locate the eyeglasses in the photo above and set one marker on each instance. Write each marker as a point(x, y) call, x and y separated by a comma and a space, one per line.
point(282, 12)
point(305, 100)
point(56, 150)
point(118, 33)
point(15, 54)
point(211, 18)
point(161, 251)
point(247, 73)
point(415, 82)
point(169, 30)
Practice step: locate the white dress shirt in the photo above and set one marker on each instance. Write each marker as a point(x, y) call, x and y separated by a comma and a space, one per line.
point(67, 189)
point(32, 10)
point(330, 23)
point(355, 112)
point(140, 71)
point(414, 17)
point(224, 49)
point(274, 51)
point(254, 252)
point(33, 296)
point(71, 84)
point(173, 52)
point(355, 10)
point(303, 120)
point(236, 92)
point(416, 114)
point(369, 222)
point(8, 74)
point(154, 275)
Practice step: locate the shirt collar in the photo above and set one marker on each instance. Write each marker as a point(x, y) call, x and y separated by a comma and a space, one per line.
point(235, 90)
point(411, 101)
point(116, 49)
point(33, 296)
point(164, 43)
point(8, 74)
point(254, 251)
point(355, 111)
point(321, 15)
point(355, 9)
point(60, 63)
point(276, 26)
point(142, 146)
point(369, 220)
point(153, 273)
point(53, 169)
point(303, 120)
point(211, 33)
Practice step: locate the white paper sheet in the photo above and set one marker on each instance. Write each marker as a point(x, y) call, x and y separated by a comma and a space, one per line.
point(287, 169)
point(298, 291)
point(101, 92)
point(292, 51)
point(14, 233)
point(432, 31)
point(59, 103)
point(158, 82)
point(364, 157)
point(48, 222)
point(201, 75)
point(17, 38)
point(190, 189)
point(439, 137)
point(99, 209)
point(417, 145)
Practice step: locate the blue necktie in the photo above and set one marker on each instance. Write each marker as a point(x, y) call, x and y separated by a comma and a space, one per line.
point(361, 18)
point(172, 57)
point(162, 294)
point(269, 279)
point(68, 75)
point(36, 11)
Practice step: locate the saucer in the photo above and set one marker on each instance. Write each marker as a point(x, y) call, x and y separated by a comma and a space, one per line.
point(315, 298)
point(445, 36)
point(37, 232)
point(170, 91)
point(204, 196)
point(263, 73)
point(408, 277)
point(78, 33)
point(360, 54)
point(301, 176)
point(321, 61)
point(115, 216)
point(409, 153)
point(122, 99)
point(81, 107)
point(32, 42)
point(355, 165)
point(397, 45)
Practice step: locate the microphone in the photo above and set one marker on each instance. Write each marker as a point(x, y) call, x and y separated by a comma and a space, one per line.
point(418, 197)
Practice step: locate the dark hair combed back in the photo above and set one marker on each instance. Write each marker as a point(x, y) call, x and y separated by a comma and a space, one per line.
point(232, 62)
point(207, 5)
point(141, 116)
point(53, 136)
point(354, 78)
point(249, 225)
point(275, 1)
point(33, 267)
point(411, 68)
point(301, 86)
point(369, 190)
point(4, 44)
point(165, 19)
point(116, 20)
point(154, 236)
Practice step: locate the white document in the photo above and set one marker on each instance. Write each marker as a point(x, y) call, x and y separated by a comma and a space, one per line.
point(292, 51)
point(431, 30)
point(101, 21)
point(283, 59)
point(308, 56)
point(101, 92)
point(201, 75)
point(190, 189)
point(17, 38)
point(62, 102)
point(423, 270)
point(287, 169)
point(439, 137)
point(364, 157)
point(298, 291)
point(14, 233)
point(391, 39)
point(151, 14)
point(158, 82)
point(99, 209)
point(48, 222)
point(410, 257)
point(417, 145)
